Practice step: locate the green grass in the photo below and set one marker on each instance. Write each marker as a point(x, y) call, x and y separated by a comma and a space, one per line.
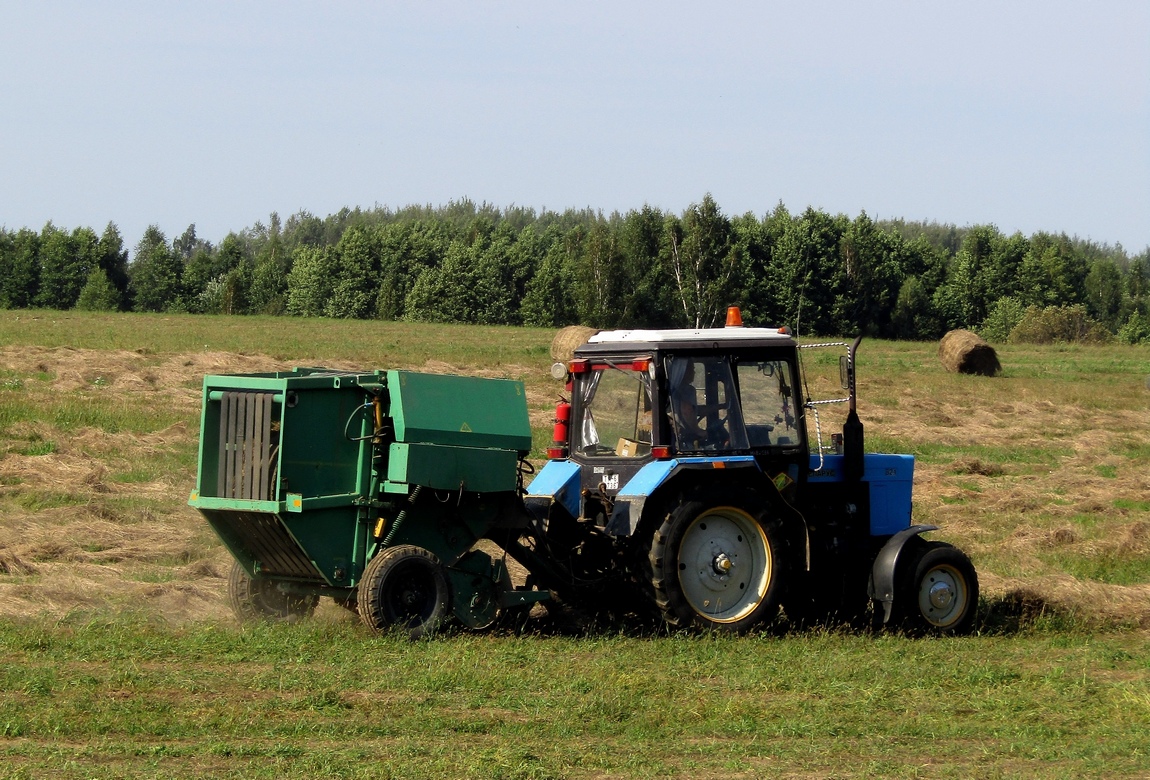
point(107, 411)
point(1115, 568)
point(373, 344)
point(103, 699)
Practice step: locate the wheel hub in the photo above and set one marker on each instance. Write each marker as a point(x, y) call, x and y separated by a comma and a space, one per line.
point(941, 595)
point(722, 564)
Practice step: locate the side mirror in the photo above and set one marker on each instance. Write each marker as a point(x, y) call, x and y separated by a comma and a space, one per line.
point(844, 372)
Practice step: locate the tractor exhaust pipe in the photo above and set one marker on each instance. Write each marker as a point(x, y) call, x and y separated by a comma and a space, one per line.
point(853, 427)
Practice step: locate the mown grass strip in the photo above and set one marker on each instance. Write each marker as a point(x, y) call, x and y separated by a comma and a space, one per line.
point(211, 699)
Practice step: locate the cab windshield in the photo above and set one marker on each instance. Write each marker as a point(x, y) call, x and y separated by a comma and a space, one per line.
point(615, 416)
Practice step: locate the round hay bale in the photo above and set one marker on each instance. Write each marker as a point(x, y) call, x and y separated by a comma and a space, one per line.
point(967, 353)
point(569, 339)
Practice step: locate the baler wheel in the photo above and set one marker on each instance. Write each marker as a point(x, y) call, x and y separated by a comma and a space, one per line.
point(404, 587)
point(253, 600)
point(718, 562)
point(937, 592)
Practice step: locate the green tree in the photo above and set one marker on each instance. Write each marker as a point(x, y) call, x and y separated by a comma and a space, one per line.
point(1103, 291)
point(268, 291)
point(646, 295)
point(704, 260)
point(549, 300)
point(113, 260)
point(1052, 273)
point(311, 280)
point(357, 270)
point(598, 274)
point(873, 261)
point(405, 251)
point(762, 297)
point(914, 317)
point(1003, 318)
point(19, 269)
point(154, 274)
point(807, 274)
point(99, 294)
point(1138, 277)
point(65, 262)
point(971, 284)
point(482, 278)
point(442, 293)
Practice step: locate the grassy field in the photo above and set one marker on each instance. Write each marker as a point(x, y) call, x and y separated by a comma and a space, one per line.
point(121, 698)
point(118, 656)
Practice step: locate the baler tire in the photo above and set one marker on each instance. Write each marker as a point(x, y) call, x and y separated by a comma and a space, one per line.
point(719, 544)
point(937, 591)
point(255, 600)
point(404, 587)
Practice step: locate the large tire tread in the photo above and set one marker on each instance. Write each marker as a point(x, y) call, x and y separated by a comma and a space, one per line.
point(406, 588)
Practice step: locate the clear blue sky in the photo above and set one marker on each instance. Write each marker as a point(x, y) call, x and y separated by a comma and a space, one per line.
point(1028, 115)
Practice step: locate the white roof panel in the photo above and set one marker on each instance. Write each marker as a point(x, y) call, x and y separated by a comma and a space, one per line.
point(686, 334)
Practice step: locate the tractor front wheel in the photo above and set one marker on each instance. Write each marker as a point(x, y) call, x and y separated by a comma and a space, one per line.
point(404, 587)
point(259, 599)
point(938, 591)
point(718, 561)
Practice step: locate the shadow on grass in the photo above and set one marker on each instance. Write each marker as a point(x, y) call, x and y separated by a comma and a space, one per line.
point(1024, 611)
point(1016, 612)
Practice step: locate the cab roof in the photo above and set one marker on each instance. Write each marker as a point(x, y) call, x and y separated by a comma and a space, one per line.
point(687, 338)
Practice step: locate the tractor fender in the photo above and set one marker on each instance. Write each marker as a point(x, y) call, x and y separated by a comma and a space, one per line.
point(660, 475)
point(882, 574)
point(556, 483)
point(632, 498)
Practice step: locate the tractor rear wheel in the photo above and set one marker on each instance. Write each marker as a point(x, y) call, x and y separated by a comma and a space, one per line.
point(938, 591)
point(718, 562)
point(258, 599)
point(404, 587)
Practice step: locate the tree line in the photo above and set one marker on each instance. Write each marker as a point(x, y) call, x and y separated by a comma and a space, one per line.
point(821, 274)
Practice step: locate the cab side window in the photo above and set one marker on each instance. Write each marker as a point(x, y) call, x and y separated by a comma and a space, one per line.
point(703, 405)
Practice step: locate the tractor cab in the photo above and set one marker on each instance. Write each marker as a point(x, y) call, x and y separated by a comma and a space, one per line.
point(646, 403)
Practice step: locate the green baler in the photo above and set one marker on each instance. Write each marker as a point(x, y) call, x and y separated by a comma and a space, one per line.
point(373, 488)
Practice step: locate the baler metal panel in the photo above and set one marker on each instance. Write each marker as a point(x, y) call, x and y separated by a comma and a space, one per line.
point(452, 468)
point(264, 435)
point(261, 538)
point(459, 411)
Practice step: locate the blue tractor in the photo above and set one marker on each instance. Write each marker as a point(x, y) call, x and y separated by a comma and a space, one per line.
point(682, 479)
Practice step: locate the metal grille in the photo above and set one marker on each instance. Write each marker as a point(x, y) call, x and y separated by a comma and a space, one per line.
point(245, 446)
point(264, 537)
